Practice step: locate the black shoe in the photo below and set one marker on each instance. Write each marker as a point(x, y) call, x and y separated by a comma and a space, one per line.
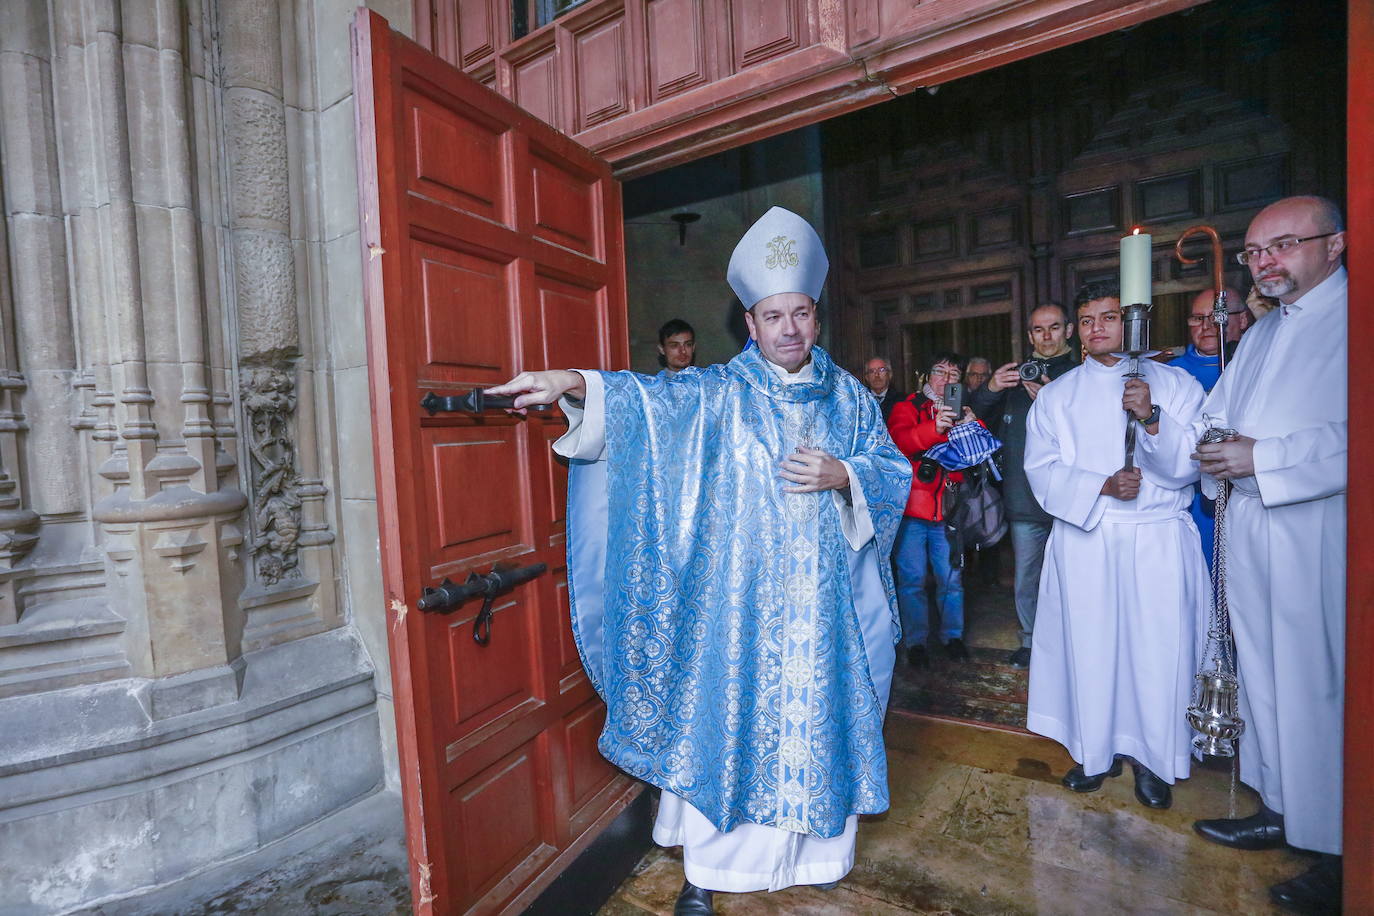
point(1020, 658)
point(693, 901)
point(1263, 830)
point(1317, 890)
point(1080, 781)
point(1150, 790)
point(955, 651)
point(916, 657)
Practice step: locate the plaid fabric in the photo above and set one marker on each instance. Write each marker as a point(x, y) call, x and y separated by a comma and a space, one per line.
point(969, 444)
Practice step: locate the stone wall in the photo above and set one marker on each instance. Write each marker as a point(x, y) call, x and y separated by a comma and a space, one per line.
point(191, 634)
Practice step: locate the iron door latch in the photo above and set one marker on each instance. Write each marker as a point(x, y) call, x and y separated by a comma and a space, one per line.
point(449, 595)
point(474, 401)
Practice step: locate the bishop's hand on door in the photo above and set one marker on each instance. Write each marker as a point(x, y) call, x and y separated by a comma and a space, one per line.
point(542, 388)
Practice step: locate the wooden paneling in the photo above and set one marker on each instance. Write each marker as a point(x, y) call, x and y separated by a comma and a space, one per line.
point(676, 46)
point(464, 304)
point(600, 53)
point(761, 31)
point(1097, 210)
point(477, 25)
point(700, 76)
point(1169, 197)
point(1252, 182)
point(456, 156)
point(537, 88)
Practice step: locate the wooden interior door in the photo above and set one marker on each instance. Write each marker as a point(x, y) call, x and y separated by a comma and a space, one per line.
point(492, 244)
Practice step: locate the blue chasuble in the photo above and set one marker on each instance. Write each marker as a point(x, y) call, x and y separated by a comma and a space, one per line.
point(743, 648)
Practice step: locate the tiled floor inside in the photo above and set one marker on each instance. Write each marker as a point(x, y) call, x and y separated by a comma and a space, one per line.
point(979, 824)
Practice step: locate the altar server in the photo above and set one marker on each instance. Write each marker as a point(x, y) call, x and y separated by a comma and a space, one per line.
point(1124, 587)
point(729, 539)
point(1285, 526)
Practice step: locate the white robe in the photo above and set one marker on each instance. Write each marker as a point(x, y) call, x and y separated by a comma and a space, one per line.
point(751, 857)
point(1286, 557)
point(1124, 586)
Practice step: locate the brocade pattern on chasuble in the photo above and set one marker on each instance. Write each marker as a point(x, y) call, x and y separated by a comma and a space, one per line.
point(733, 661)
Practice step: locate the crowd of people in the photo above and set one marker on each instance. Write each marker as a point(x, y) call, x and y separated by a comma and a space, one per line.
point(734, 530)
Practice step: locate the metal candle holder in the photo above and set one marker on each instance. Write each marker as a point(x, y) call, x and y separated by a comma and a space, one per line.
point(1135, 343)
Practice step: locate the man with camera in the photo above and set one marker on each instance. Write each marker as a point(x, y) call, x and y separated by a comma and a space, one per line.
point(1003, 403)
point(917, 424)
point(1124, 585)
point(1285, 542)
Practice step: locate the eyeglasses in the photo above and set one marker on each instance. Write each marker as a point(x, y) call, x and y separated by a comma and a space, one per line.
point(1199, 319)
point(1279, 247)
point(878, 371)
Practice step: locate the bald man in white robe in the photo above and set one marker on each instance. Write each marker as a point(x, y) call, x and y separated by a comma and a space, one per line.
point(1285, 394)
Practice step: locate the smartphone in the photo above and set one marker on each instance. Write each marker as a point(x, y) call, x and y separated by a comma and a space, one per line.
point(954, 397)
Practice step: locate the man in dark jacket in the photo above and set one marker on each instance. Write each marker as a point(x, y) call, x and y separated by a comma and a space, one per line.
point(1003, 404)
point(878, 378)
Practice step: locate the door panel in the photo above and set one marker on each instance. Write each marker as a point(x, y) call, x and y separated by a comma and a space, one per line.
point(491, 245)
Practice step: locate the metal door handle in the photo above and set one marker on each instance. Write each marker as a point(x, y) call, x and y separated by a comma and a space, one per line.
point(474, 401)
point(449, 595)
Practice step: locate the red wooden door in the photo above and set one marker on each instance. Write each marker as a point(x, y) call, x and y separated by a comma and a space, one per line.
point(492, 244)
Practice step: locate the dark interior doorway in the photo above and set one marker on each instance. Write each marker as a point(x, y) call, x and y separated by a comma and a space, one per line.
point(950, 215)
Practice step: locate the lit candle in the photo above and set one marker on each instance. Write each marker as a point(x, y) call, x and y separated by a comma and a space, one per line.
point(1135, 268)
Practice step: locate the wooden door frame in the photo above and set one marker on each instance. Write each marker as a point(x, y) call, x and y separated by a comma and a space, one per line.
point(381, 57)
point(1358, 804)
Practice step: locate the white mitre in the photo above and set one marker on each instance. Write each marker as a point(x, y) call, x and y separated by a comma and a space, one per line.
point(780, 253)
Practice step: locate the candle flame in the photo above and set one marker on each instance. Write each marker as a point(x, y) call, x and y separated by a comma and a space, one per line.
point(1135, 231)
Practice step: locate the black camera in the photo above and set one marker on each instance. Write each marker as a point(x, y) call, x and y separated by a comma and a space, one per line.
point(1032, 369)
point(927, 469)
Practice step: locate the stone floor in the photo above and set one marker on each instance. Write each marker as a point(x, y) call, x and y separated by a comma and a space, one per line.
point(980, 825)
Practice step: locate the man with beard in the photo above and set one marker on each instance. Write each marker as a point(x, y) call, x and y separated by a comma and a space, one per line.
point(1285, 532)
point(1003, 404)
point(729, 531)
point(1124, 585)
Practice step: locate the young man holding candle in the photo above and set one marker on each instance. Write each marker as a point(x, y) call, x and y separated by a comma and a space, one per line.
point(1285, 530)
point(1124, 586)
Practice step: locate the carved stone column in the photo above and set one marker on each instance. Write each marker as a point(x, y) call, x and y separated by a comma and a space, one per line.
point(290, 591)
point(37, 353)
point(171, 529)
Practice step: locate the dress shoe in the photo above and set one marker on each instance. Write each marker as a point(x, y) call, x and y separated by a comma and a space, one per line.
point(1317, 890)
point(1080, 781)
point(1020, 658)
point(916, 657)
point(1263, 830)
point(1150, 790)
point(955, 651)
point(693, 901)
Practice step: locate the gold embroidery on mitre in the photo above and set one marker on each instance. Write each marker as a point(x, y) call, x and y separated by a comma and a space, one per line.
point(781, 253)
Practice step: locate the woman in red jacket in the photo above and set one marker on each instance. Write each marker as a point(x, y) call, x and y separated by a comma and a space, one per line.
point(918, 423)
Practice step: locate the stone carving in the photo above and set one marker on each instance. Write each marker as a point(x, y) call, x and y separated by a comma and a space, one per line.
point(269, 400)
